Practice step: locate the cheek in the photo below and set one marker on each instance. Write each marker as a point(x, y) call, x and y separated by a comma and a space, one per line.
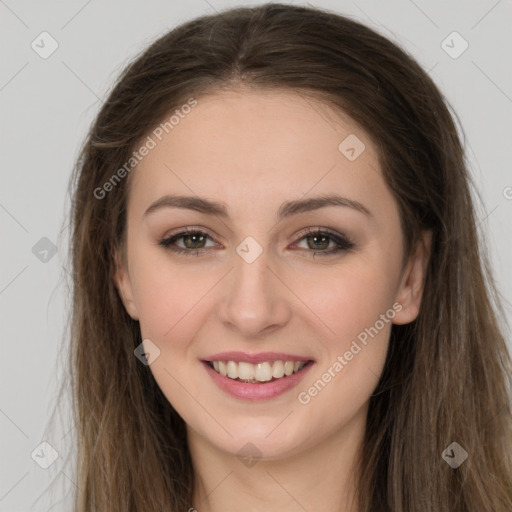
point(171, 312)
point(348, 300)
point(172, 301)
point(168, 297)
point(356, 308)
point(360, 314)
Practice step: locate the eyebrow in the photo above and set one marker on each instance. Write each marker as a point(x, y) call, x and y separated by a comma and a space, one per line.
point(287, 209)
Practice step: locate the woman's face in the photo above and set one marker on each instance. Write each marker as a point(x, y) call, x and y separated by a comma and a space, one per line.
point(249, 288)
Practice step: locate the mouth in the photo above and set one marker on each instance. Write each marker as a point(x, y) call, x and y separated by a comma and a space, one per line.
point(258, 373)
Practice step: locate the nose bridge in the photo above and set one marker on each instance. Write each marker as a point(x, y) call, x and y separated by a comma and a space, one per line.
point(254, 299)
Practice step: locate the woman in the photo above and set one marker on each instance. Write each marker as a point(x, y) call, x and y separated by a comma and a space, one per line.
point(280, 302)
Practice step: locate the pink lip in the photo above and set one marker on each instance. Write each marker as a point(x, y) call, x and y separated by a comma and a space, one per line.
point(256, 392)
point(260, 357)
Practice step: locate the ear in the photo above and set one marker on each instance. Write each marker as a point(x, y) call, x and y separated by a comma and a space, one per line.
point(411, 287)
point(123, 284)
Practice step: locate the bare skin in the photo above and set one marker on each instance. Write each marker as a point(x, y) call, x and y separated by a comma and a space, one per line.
point(254, 151)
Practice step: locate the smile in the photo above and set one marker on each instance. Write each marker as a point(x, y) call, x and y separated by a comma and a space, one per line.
point(257, 376)
point(267, 371)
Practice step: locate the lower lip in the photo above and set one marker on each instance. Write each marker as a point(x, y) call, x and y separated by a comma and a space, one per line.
point(254, 392)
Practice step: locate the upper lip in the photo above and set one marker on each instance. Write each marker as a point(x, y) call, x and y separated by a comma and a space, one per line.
point(259, 357)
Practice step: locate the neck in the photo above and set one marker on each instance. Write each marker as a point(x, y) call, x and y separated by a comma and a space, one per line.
point(320, 478)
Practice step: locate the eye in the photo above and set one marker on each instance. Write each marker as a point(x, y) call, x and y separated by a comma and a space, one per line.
point(194, 242)
point(324, 243)
point(318, 241)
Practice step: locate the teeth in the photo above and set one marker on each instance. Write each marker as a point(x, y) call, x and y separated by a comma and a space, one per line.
point(260, 372)
point(263, 372)
point(278, 370)
point(232, 370)
point(246, 371)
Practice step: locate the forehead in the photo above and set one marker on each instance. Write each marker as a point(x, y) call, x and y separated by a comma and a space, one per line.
point(258, 145)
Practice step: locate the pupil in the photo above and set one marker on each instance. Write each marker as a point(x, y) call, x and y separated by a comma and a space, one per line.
point(195, 239)
point(324, 241)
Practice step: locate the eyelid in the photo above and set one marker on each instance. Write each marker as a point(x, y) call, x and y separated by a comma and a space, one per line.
point(319, 229)
point(188, 230)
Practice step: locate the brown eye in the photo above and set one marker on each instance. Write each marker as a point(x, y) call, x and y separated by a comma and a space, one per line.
point(318, 241)
point(192, 242)
point(325, 243)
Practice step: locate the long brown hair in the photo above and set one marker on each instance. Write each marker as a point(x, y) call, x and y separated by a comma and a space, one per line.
point(447, 375)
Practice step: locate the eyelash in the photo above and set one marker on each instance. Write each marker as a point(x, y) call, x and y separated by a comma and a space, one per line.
point(344, 244)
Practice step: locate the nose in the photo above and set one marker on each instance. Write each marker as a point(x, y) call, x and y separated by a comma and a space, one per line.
point(254, 301)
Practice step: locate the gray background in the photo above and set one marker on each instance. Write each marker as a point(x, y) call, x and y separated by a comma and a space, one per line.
point(47, 104)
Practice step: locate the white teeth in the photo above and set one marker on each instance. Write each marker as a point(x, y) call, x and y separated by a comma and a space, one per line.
point(232, 370)
point(263, 372)
point(260, 372)
point(245, 371)
point(278, 370)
